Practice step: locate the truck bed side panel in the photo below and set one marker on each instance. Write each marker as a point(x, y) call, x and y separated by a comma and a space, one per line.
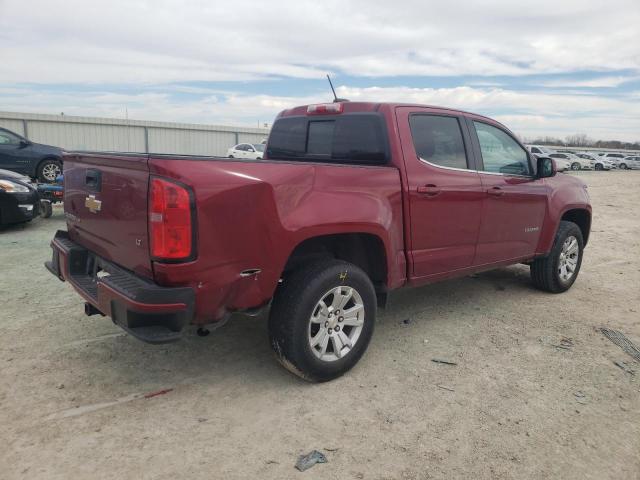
point(251, 215)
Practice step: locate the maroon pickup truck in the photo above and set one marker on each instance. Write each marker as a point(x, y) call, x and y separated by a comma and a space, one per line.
point(351, 201)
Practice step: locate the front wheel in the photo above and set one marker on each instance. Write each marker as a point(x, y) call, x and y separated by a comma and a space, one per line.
point(623, 166)
point(49, 169)
point(575, 166)
point(556, 272)
point(322, 319)
point(598, 166)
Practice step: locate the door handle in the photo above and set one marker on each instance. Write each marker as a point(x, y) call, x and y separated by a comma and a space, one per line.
point(497, 191)
point(430, 190)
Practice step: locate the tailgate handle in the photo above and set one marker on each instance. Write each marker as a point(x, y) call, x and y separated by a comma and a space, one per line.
point(93, 180)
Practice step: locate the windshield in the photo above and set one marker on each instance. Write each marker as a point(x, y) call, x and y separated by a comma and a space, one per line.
point(259, 147)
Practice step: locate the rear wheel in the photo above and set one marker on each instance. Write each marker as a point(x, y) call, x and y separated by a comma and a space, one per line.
point(556, 272)
point(49, 169)
point(322, 319)
point(575, 166)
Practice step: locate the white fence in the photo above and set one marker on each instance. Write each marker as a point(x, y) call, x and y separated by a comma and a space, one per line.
point(119, 135)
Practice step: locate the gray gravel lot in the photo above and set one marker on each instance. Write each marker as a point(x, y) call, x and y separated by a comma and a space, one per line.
point(516, 405)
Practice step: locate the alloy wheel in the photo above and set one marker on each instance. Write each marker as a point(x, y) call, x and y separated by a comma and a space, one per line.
point(568, 260)
point(336, 323)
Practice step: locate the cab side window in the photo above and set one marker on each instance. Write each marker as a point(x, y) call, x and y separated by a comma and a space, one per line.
point(500, 152)
point(438, 140)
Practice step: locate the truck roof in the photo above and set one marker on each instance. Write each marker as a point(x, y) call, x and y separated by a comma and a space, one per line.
point(354, 107)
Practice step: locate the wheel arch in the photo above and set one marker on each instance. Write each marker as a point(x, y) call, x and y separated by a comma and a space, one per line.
point(366, 250)
point(582, 218)
point(42, 160)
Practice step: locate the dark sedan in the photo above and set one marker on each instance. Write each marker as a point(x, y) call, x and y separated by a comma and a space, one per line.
point(18, 154)
point(19, 199)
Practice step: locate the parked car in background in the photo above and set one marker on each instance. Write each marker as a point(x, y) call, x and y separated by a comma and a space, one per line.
point(599, 163)
point(632, 162)
point(254, 151)
point(562, 165)
point(539, 150)
point(616, 158)
point(20, 155)
point(19, 199)
point(575, 162)
point(352, 200)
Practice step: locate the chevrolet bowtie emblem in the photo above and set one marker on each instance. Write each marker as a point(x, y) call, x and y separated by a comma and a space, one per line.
point(92, 204)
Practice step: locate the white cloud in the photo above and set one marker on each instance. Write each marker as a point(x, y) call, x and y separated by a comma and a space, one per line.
point(526, 113)
point(51, 41)
point(156, 48)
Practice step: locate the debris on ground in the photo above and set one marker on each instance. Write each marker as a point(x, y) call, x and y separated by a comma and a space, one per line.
point(445, 362)
point(565, 343)
point(622, 341)
point(445, 388)
point(580, 398)
point(624, 366)
point(406, 321)
point(159, 392)
point(305, 462)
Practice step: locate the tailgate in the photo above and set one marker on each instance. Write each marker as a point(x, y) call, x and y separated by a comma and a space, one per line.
point(106, 207)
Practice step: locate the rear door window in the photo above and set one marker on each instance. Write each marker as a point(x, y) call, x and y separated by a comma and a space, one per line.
point(438, 140)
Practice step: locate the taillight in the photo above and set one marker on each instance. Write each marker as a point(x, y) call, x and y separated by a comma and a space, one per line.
point(325, 108)
point(170, 222)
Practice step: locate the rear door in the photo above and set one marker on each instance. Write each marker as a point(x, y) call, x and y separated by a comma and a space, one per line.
point(514, 202)
point(106, 207)
point(445, 192)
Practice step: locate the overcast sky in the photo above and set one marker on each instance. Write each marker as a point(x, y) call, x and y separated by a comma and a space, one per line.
point(545, 68)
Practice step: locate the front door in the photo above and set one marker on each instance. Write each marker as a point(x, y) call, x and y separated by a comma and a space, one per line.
point(515, 200)
point(12, 154)
point(444, 191)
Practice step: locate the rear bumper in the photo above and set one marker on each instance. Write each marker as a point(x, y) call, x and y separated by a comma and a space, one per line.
point(149, 312)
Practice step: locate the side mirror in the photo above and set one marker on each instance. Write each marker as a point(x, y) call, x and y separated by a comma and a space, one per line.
point(546, 167)
point(251, 150)
point(24, 143)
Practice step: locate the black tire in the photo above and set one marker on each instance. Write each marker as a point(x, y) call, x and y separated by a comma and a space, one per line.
point(46, 209)
point(46, 166)
point(598, 166)
point(544, 271)
point(293, 305)
point(623, 166)
point(575, 166)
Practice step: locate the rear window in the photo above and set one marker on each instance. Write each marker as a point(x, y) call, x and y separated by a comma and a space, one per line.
point(350, 138)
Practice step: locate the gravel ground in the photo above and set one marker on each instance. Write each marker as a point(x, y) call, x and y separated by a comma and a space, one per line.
point(535, 392)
